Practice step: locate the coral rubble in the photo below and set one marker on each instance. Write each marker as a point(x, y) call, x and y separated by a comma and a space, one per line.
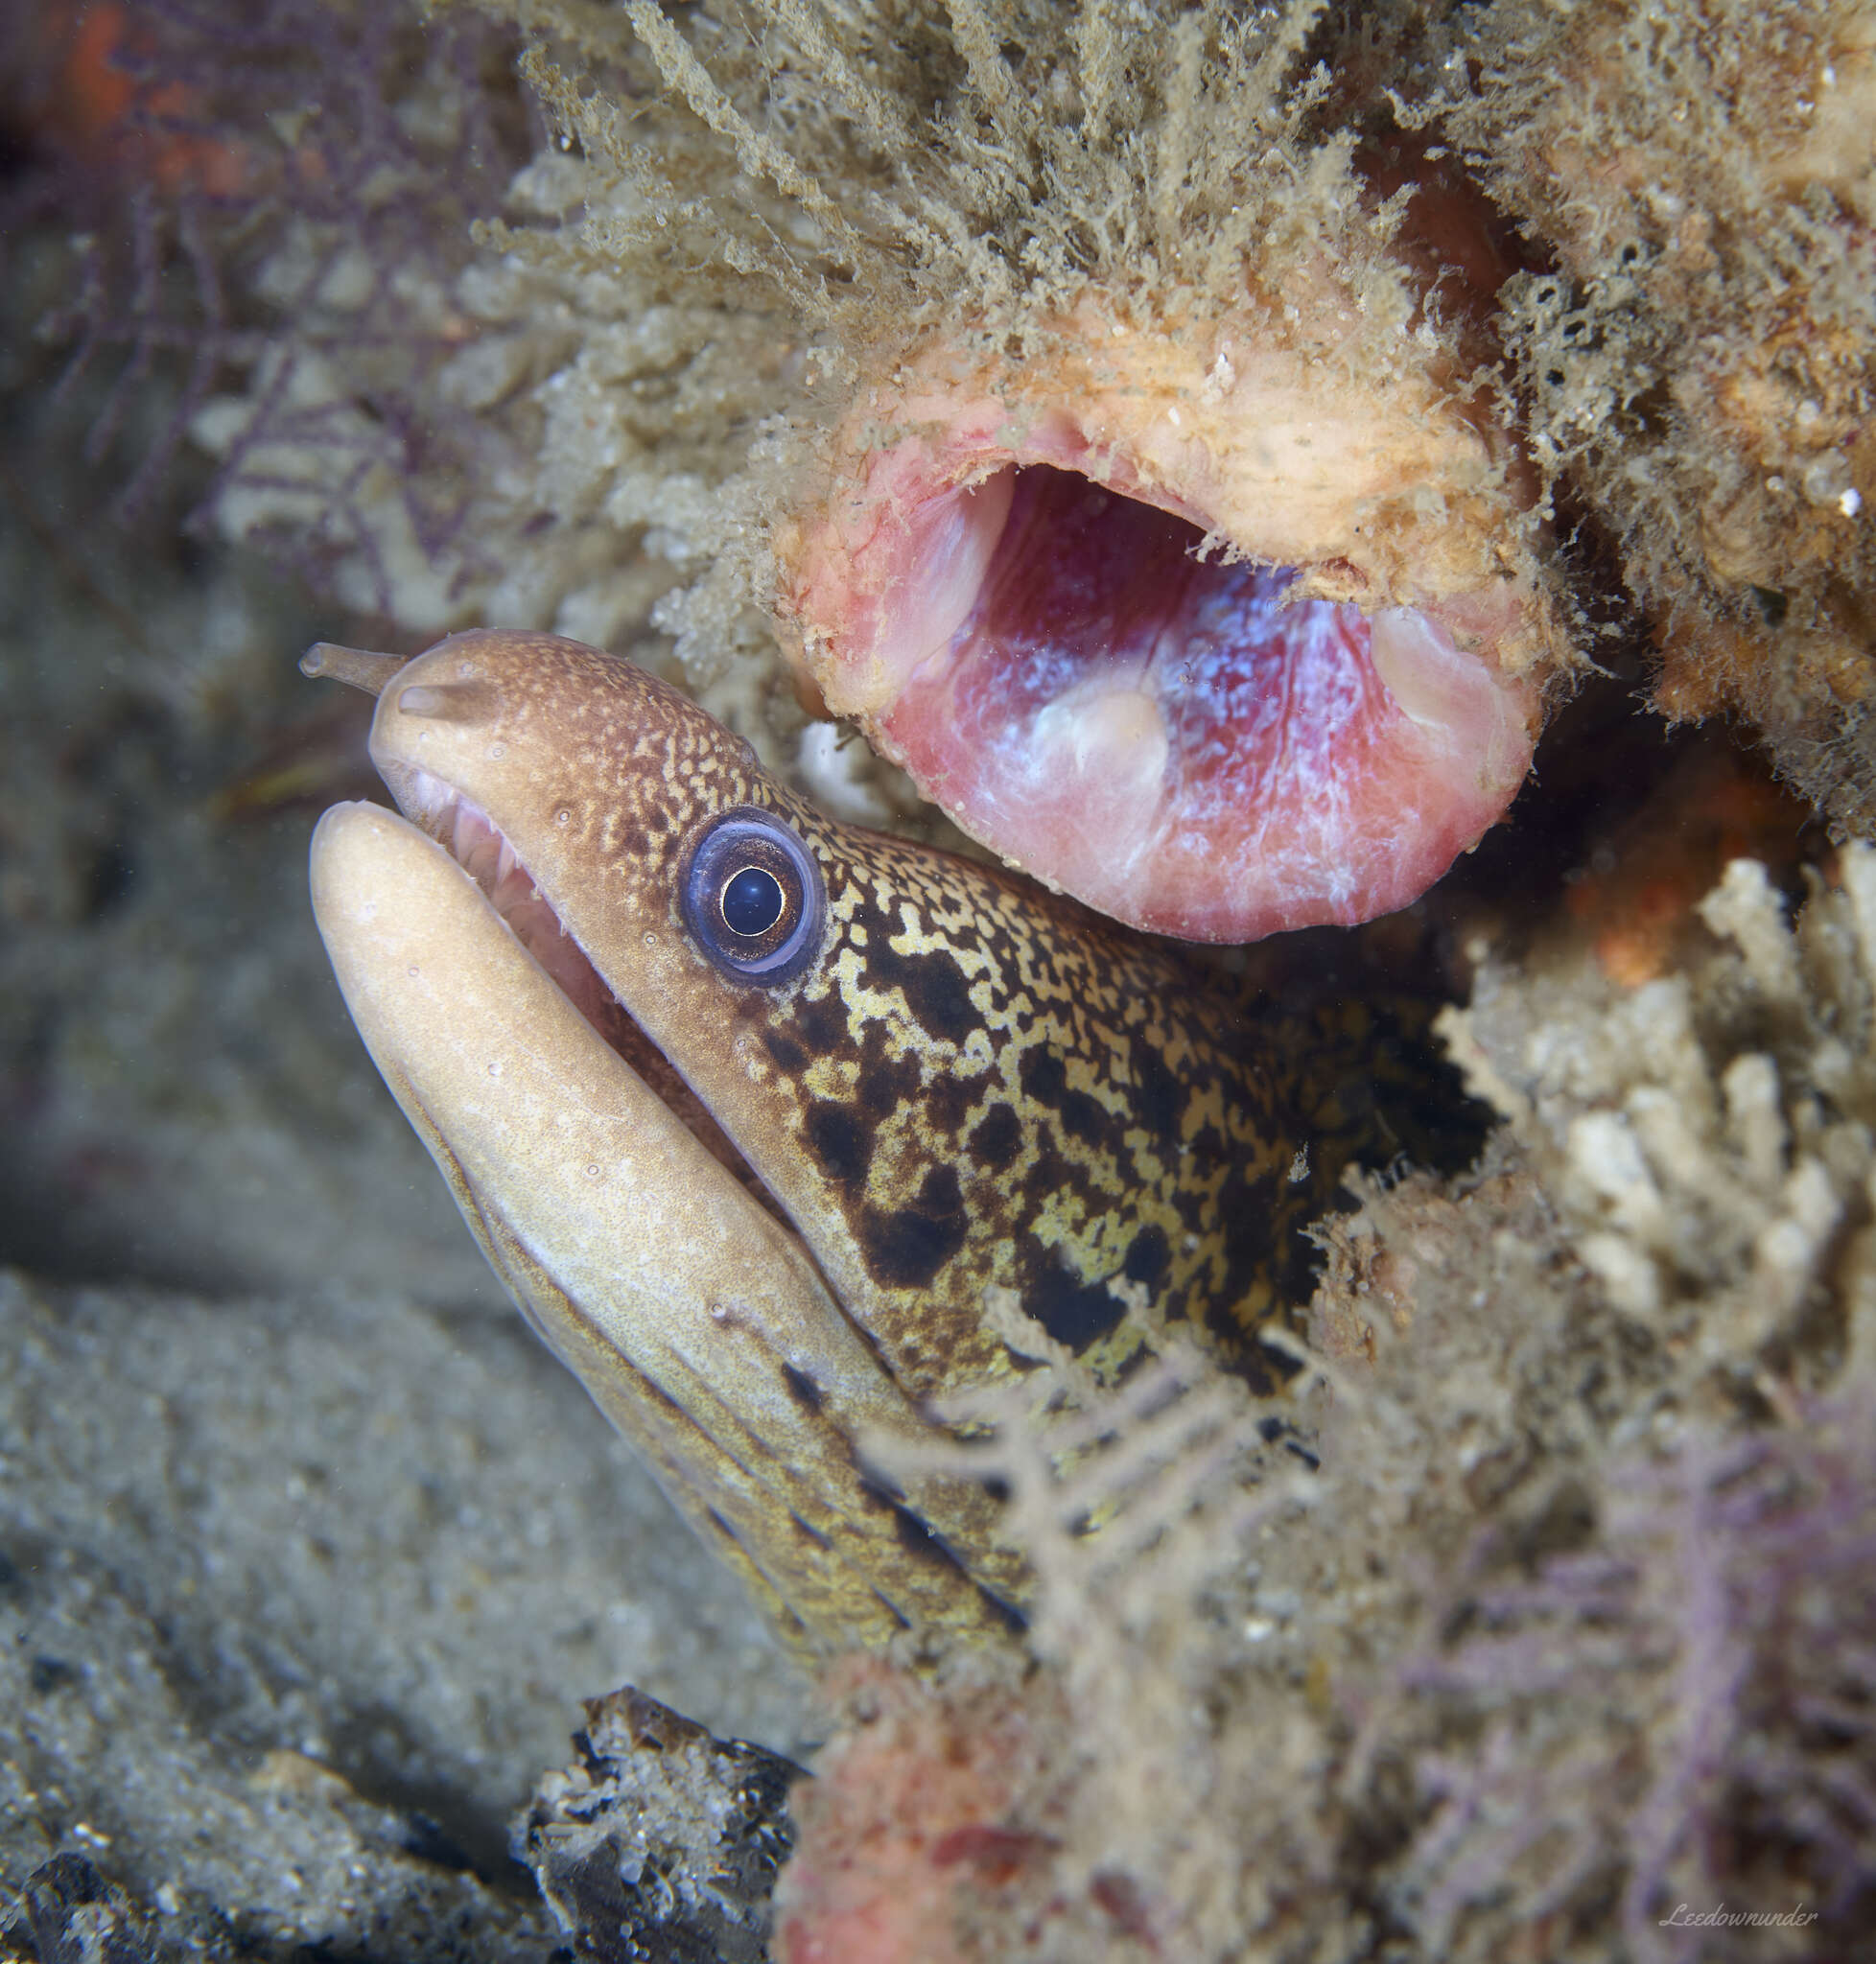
point(660, 1840)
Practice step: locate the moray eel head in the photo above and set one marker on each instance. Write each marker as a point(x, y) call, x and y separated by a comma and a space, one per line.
point(750, 1110)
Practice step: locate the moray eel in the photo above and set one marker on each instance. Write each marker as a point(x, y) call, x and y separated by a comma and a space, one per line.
point(749, 1108)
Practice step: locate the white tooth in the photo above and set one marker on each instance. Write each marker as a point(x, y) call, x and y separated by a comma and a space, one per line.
point(504, 859)
point(1112, 734)
point(426, 797)
point(1421, 669)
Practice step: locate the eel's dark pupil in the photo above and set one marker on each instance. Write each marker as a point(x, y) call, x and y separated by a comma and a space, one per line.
point(752, 902)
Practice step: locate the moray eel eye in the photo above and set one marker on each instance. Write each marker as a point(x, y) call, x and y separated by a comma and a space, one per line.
point(753, 897)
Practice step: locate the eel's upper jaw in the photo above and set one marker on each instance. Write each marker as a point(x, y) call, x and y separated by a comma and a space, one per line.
point(691, 1316)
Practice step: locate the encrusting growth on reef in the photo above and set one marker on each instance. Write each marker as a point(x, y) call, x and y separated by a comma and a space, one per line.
point(1698, 358)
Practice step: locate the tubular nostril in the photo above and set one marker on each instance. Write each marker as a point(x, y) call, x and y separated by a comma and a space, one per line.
point(358, 668)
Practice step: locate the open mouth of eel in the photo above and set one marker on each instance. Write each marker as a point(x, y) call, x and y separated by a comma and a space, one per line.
point(1181, 619)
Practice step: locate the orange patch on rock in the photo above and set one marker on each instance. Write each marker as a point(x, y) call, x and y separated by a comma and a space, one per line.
point(908, 1820)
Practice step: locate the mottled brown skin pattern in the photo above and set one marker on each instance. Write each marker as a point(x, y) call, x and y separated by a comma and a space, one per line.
point(972, 1083)
point(994, 1089)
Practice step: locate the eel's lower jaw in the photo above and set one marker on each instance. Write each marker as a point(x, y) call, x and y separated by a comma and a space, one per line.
point(1106, 663)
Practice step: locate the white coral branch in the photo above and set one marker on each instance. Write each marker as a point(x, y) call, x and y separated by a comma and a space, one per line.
point(1707, 1135)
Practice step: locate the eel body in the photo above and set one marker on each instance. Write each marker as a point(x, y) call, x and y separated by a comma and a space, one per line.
point(752, 1178)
